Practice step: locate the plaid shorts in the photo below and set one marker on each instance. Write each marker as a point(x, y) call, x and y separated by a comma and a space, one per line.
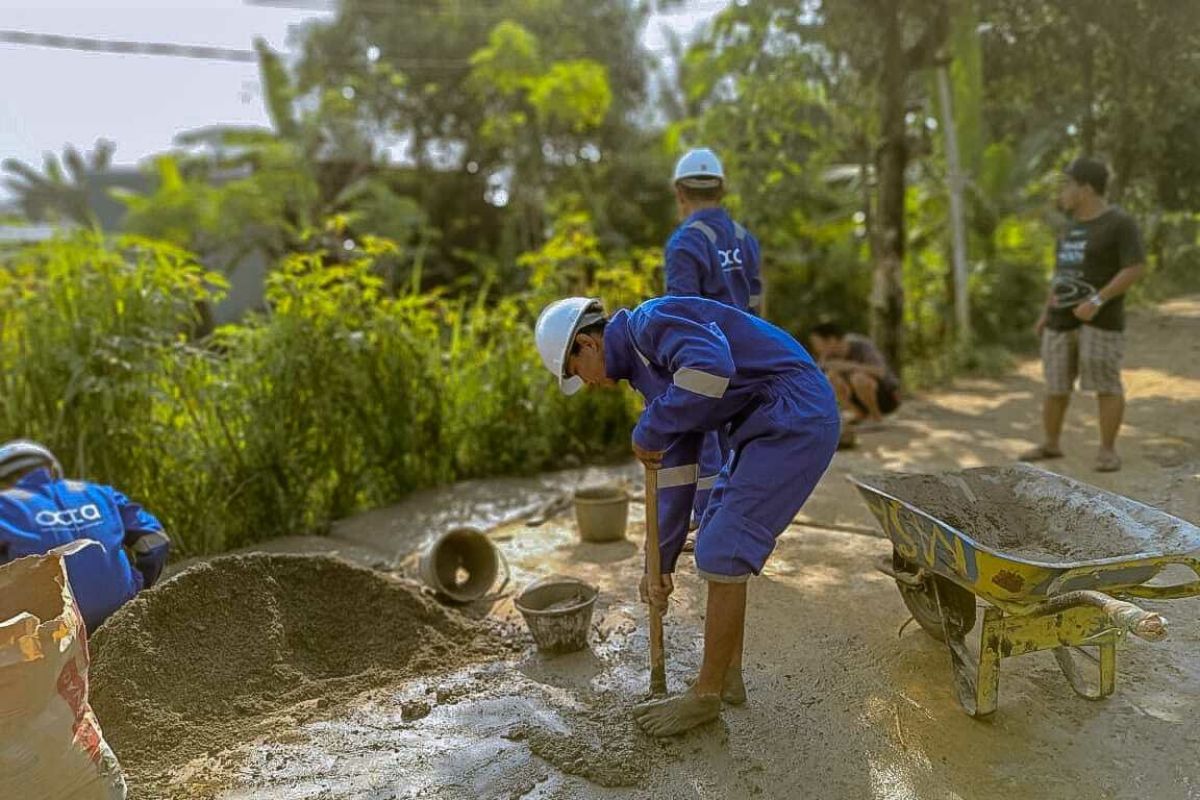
point(1089, 353)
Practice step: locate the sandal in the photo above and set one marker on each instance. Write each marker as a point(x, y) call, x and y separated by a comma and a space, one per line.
point(1040, 453)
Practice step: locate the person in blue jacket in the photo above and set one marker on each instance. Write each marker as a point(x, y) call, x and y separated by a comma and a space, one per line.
point(702, 365)
point(40, 510)
point(710, 255)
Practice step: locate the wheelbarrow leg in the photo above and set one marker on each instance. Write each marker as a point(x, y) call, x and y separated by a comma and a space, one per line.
point(989, 663)
point(976, 681)
point(1107, 667)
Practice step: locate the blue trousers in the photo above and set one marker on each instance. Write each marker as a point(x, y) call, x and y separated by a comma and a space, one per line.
point(777, 460)
point(714, 452)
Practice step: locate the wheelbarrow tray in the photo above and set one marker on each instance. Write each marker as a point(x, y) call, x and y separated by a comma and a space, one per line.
point(1016, 535)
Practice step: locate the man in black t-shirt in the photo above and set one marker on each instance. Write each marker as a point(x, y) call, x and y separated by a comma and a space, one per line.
point(1082, 327)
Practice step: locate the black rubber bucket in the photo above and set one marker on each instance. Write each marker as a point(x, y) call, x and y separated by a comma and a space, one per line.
point(461, 565)
point(558, 611)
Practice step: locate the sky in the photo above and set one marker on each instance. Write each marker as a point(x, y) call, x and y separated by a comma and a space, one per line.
point(53, 97)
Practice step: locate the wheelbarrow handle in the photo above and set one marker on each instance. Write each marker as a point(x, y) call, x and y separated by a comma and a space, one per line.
point(1144, 624)
point(1147, 625)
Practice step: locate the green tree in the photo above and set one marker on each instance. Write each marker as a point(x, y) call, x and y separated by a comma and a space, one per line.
point(527, 100)
point(905, 38)
point(812, 103)
point(234, 191)
point(537, 115)
point(1114, 79)
point(62, 191)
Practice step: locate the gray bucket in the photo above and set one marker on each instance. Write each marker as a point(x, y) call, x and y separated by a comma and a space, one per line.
point(558, 611)
point(601, 513)
point(461, 565)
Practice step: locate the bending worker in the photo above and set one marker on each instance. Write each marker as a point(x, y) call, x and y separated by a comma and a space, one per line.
point(703, 365)
point(40, 511)
point(710, 255)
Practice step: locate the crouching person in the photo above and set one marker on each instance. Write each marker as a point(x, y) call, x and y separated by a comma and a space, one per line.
point(701, 366)
point(40, 510)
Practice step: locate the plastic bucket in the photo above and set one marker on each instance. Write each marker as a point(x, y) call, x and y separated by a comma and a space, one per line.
point(461, 565)
point(558, 611)
point(601, 513)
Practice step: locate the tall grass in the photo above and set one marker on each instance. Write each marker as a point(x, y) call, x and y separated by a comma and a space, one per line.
point(341, 397)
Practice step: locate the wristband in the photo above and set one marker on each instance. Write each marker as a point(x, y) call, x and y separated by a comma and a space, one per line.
point(1096, 300)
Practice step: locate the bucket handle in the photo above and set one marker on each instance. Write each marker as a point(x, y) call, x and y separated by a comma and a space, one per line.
point(507, 569)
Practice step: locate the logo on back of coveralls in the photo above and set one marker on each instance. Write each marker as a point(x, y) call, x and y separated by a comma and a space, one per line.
point(68, 516)
point(730, 259)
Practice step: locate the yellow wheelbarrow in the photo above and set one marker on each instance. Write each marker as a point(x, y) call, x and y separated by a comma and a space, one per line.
point(1055, 560)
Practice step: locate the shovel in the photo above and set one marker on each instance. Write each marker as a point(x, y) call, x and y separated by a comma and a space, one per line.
point(658, 664)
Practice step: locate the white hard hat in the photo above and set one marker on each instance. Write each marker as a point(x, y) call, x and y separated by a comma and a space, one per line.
point(700, 167)
point(21, 455)
point(555, 333)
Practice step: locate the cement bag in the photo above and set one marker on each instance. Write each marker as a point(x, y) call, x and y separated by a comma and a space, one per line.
point(51, 747)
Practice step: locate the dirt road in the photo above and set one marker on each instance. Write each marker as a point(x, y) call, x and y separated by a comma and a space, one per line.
point(842, 704)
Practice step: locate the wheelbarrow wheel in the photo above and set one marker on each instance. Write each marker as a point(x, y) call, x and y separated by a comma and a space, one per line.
point(921, 599)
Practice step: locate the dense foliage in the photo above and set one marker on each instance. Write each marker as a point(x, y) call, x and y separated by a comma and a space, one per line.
point(432, 176)
point(339, 397)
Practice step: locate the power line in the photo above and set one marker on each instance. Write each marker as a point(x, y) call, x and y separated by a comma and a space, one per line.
point(124, 47)
point(299, 5)
point(428, 8)
point(329, 5)
point(116, 46)
point(200, 52)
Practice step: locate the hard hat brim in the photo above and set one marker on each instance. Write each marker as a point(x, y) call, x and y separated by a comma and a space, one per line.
point(700, 181)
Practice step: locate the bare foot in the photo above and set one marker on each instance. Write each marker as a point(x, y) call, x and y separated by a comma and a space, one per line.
point(1108, 461)
point(1042, 452)
point(677, 714)
point(734, 691)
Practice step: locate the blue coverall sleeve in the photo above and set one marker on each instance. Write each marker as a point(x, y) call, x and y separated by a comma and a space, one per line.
point(676, 492)
point(144, 535)
point(701, 365)
point(682, 268)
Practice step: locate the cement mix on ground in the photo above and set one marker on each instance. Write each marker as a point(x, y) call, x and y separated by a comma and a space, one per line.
point(1041, 516)
point(213, 656)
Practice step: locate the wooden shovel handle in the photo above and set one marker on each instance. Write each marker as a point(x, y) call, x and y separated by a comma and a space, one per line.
point(658, 664)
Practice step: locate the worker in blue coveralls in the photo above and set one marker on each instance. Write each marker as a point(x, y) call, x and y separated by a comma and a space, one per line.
point(710, 255)
point(40, 510)
point(702, 365)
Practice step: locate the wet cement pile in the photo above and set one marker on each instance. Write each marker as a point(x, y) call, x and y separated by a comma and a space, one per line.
point(1040, 516)
point(601, 744)
point(227, 649)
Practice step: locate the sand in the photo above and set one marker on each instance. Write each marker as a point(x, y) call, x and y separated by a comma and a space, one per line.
point(213, 656)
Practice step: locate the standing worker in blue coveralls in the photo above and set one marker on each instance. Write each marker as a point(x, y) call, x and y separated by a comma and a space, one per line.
point(40, 511)
point(702, 366)
point(710, 255)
